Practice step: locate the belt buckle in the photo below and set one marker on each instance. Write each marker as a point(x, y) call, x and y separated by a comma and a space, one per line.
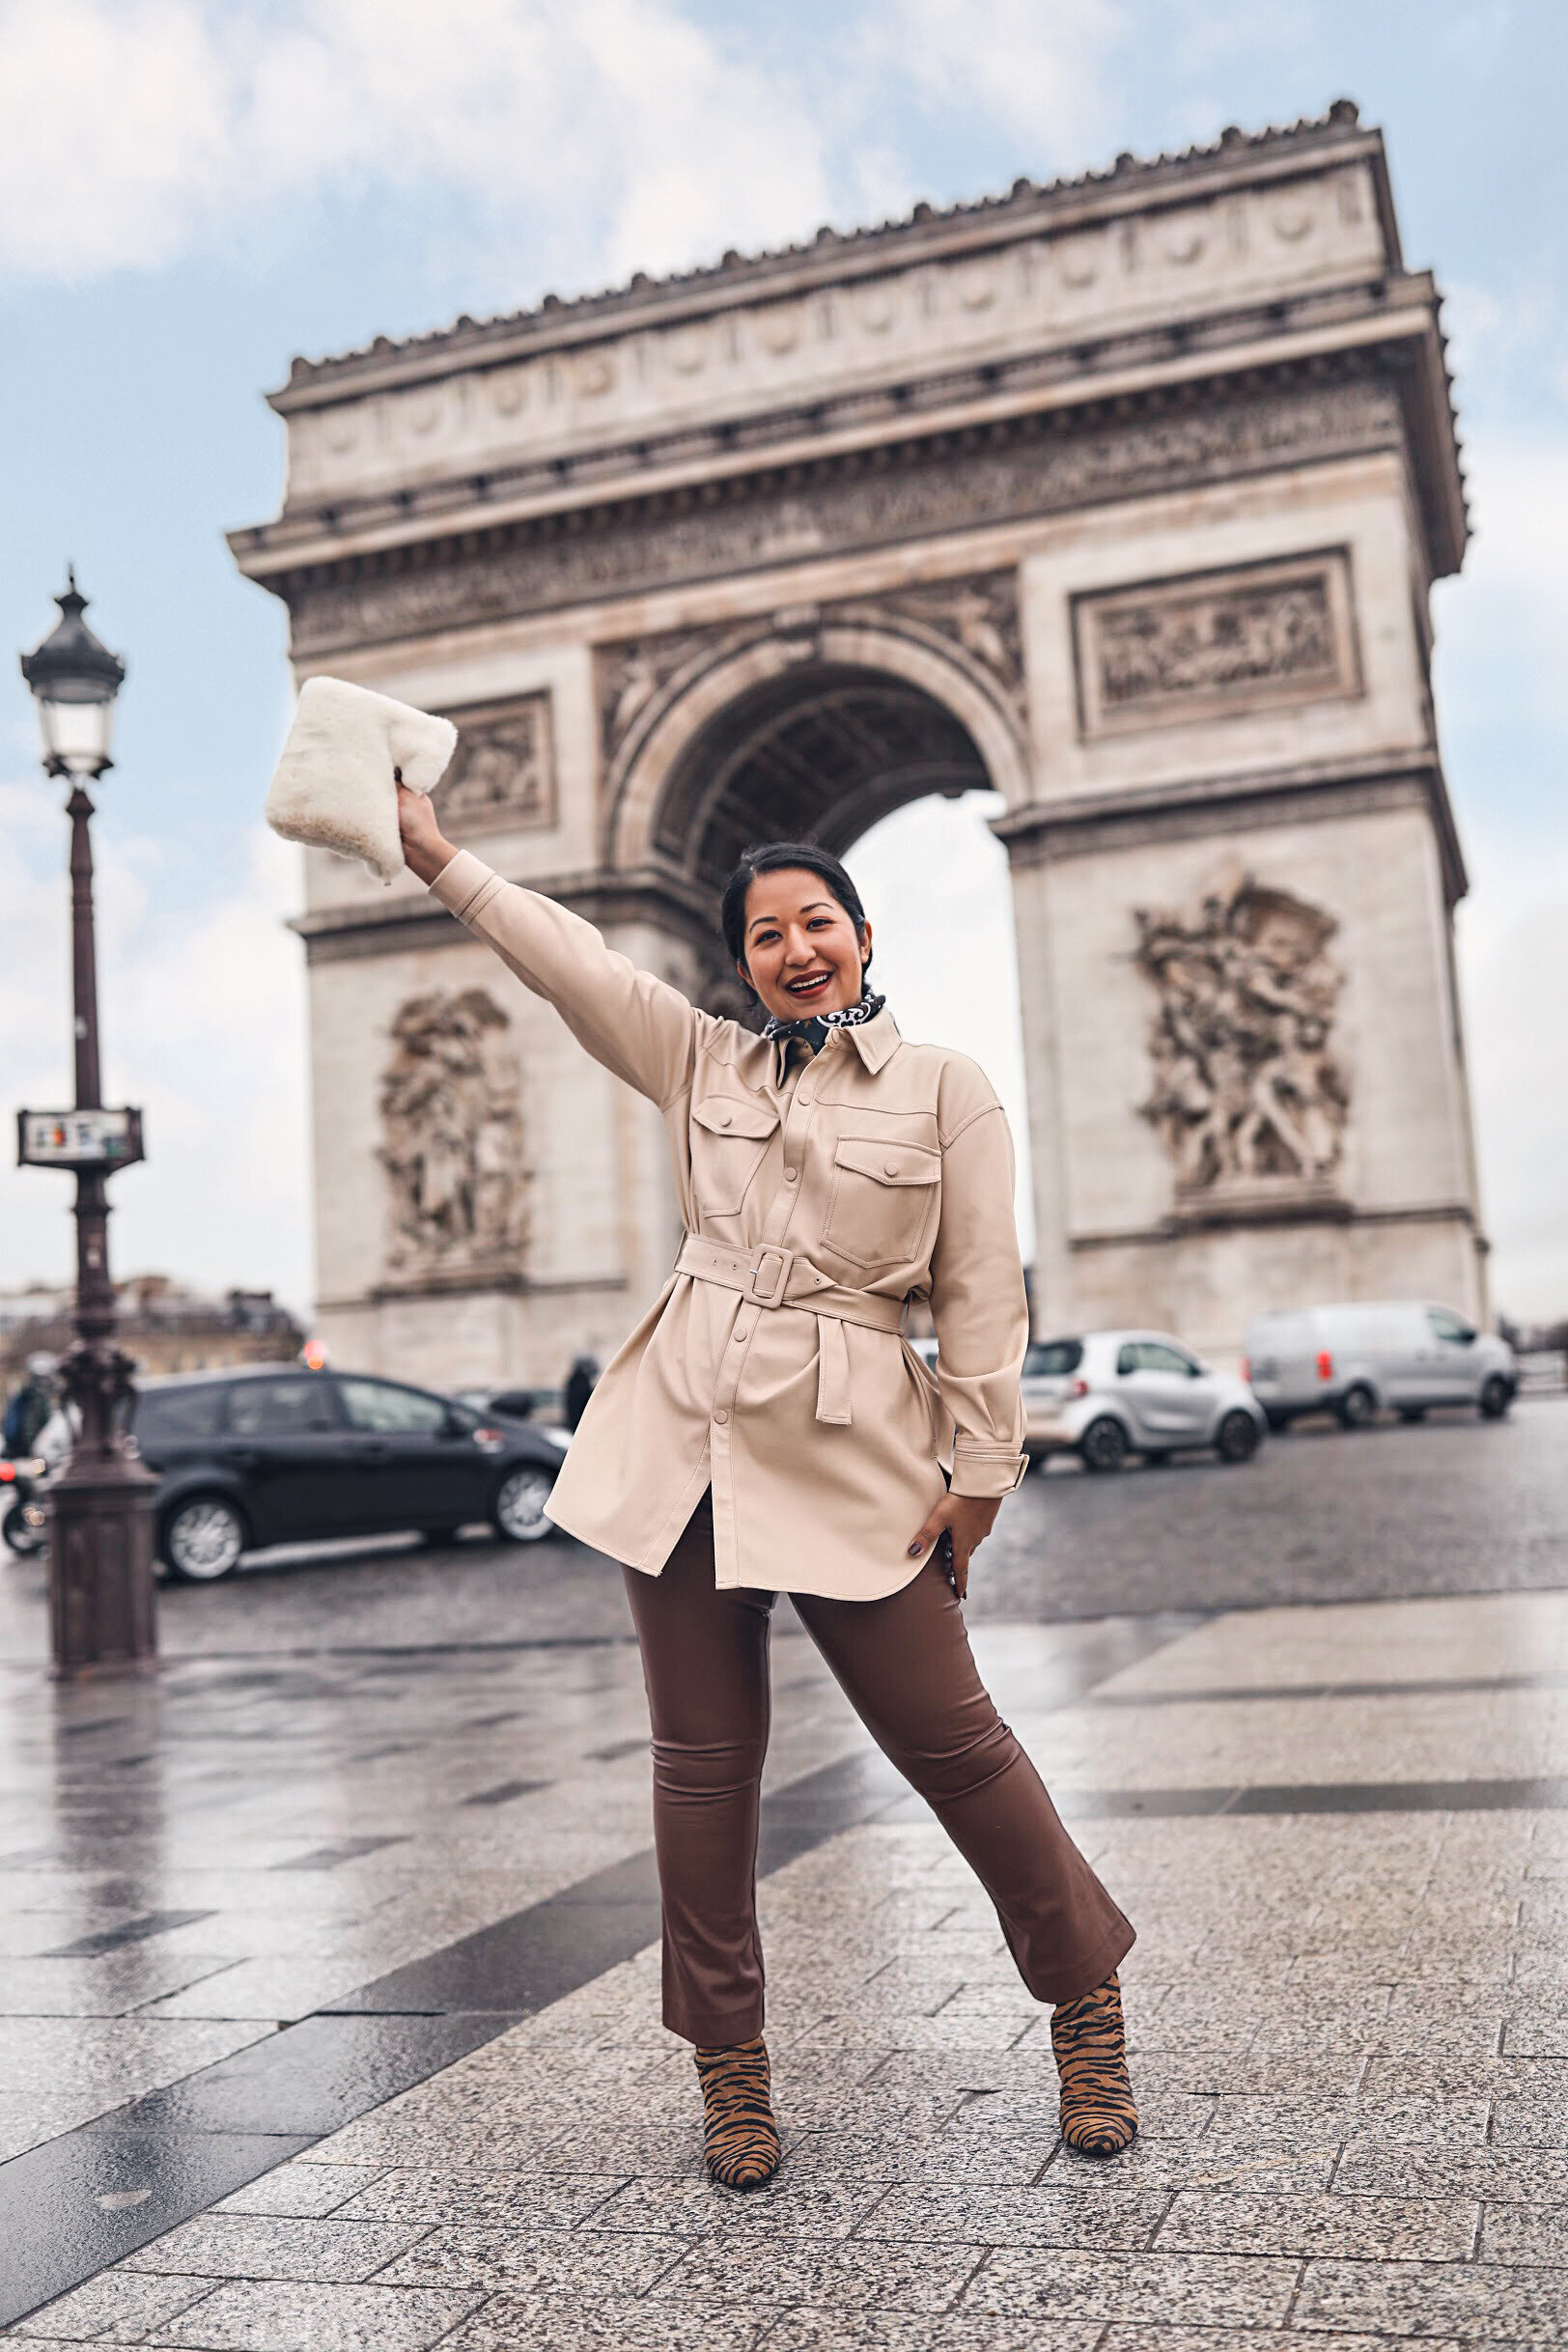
point(773, 1295)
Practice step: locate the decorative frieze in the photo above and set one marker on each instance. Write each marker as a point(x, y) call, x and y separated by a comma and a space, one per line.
point(1216, 644)
point(977, 614)
point(503, 772)
point(452, 1142)
point(857, 501)
point(1247, 1097)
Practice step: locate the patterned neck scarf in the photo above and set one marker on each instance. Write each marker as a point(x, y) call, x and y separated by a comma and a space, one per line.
point(813, 1030)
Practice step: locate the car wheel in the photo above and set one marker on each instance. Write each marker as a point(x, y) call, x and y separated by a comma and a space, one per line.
point(1412, 1413)
point(1104, 1444)
point(519, 1504)
point(1355, 1407)
point(202, 1538)
point(1496, 1397)
point(1238, 1438)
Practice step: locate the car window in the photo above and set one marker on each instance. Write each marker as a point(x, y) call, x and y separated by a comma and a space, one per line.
point(376, 1405)
point(1449, 1326)
point(1127, 1359)
point(1154, 1357)
point(279, 1408)
point(1051, 1359)
point(165, 1416)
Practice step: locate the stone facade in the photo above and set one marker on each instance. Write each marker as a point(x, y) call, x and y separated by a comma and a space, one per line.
point(1123, 497)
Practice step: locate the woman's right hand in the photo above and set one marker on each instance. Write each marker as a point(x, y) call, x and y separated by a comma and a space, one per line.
point(425, 847)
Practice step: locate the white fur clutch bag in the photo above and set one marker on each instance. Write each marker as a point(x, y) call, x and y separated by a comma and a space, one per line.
point(335, 787)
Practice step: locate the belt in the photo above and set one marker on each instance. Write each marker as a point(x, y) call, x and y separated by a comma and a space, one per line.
point(771, 1277)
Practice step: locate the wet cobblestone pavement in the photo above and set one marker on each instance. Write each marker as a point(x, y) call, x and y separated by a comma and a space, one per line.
point(330, 1990)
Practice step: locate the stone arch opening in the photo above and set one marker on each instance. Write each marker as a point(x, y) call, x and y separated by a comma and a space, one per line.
point(776, 731)
point(821, 752)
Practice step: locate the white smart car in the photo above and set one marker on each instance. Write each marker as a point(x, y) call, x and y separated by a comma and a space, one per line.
point(1113, 1393)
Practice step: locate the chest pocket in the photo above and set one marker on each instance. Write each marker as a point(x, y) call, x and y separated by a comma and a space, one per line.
point(729, 1142)
point(883, 1200)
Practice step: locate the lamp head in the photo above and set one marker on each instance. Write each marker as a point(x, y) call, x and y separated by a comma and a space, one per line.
point(74, 681)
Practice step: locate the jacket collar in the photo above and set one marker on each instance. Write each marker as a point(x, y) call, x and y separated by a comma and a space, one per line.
point(876, 1041)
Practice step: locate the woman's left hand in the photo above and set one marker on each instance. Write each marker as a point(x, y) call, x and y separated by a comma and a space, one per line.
point(958, 1526)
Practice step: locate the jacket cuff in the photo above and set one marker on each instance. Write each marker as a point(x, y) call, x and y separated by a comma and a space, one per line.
point(460, 883)
point(986, 1471)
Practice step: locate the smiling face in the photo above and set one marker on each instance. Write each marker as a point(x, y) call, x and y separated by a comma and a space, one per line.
point(803, 952)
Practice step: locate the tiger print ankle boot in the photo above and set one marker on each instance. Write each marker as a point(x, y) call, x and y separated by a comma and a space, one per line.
point(738, 2134)
point(1097, 2116)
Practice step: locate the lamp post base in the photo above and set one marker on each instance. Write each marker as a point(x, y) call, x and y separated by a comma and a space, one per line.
point(100, 1569)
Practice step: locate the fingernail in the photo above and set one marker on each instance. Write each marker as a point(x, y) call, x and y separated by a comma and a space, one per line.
point(914, 1548)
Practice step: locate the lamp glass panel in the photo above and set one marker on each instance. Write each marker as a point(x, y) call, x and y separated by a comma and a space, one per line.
point(77, 734)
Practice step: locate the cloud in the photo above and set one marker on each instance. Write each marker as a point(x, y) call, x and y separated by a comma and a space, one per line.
point(203, 1025)
point(1036, 72)
point(183, 123)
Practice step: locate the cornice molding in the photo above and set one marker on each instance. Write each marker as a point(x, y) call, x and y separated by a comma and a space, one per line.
point(928, 234)
point(1083, 824)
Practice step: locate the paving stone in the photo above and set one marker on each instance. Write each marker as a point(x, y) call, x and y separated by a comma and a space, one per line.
point(508, 2200)
point(1481, 2301)
point(1192, 2164)
point(508, 2323)
point(525, 2261)
point(1247, 2291)
point(881, 2330)
point(1524, 2233)
point(239, 2246)
point(1524, 2176)
point(819, 2209)
point(854, 2274)
point(302, 2191)
point(276, 2316)
point(991, 2216)
point(117, 2306)
point(1156, 2338)
point(1531, 2122)
point(1241, 2125)
point(1437, 2229)
point(950, 2155)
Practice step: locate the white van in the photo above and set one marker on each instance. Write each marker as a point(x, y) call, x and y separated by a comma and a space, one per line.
point(1400, 1353)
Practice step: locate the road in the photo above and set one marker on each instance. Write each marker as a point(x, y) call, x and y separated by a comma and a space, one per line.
point(1450, 1505)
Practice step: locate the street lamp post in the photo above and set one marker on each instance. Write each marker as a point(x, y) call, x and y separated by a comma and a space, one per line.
point(101, 1553)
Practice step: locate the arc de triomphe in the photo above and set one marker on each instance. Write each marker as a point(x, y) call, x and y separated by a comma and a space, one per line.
point(1123, 497)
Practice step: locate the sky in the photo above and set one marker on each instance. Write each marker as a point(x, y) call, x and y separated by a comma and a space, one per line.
point(192, 191)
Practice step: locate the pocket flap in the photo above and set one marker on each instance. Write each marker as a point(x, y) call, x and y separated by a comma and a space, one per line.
point(735, 1114)
point(888, 1162)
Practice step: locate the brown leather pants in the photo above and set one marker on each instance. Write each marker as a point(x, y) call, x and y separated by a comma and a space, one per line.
point(905, 1668)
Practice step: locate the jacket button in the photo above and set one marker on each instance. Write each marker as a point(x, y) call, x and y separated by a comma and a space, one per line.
point(721, 1416)
point(791, 1175)
point(802, 1096)
point(727, 1118)
point(889, 1167)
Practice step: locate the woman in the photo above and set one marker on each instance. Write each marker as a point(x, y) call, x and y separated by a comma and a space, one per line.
point(767, 1428)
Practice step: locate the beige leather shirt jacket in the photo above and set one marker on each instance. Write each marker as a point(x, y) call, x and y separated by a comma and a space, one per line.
point(819, 1194)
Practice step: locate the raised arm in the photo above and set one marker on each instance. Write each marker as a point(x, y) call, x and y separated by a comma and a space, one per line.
point(637, 1024)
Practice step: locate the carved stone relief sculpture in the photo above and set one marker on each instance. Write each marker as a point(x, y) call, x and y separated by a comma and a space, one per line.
point(977, 613)
point(452, 1138)
point(1248, 1094)
point(504, 771)
point(1220, 643)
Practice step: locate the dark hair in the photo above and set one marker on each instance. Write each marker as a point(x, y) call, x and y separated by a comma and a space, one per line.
point(773, 857)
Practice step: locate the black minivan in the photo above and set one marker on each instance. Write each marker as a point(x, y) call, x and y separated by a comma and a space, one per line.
point(269, 1454)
